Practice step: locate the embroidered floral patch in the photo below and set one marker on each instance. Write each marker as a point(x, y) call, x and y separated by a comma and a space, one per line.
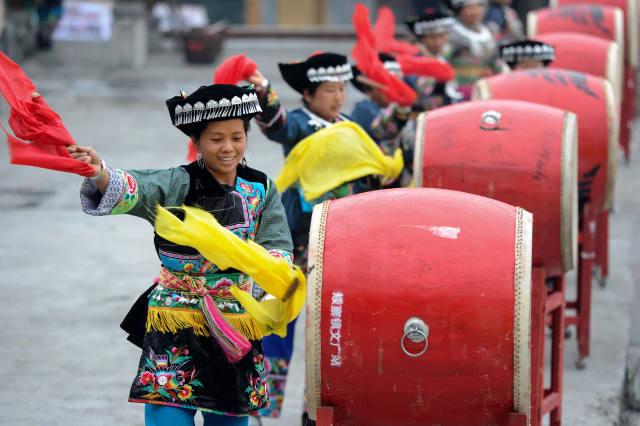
point(258, 389)
point(168, 377)
point(130, 194)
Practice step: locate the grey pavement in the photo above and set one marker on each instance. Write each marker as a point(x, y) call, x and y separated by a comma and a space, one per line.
point(69, 278)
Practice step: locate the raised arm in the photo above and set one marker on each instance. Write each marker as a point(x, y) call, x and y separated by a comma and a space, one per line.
point(273, 119)
point(113, 191)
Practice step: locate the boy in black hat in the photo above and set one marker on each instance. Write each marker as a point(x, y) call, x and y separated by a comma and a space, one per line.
point(527, 54)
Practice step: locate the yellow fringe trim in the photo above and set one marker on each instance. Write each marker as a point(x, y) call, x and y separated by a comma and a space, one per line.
point(170, 320)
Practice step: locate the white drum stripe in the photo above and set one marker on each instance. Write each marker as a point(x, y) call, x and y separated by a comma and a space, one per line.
point(313, 341)
point(569, 192)
point(418, 153)
point(522, 314)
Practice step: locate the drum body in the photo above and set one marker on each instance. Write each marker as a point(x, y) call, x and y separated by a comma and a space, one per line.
point(599, 21)
point(588, 54)
point(630, 11)
point(459, 262)
point(520, 153)
point(606, 19)
point(592, 100)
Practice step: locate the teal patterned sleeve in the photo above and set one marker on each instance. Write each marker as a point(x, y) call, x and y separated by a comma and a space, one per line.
point(135, 192)
point(273, 231)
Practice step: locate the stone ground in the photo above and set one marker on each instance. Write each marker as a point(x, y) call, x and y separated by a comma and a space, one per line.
point(69, 278)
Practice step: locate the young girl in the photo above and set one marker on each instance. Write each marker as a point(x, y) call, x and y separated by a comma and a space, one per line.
point(182, 368)
point(320, 79)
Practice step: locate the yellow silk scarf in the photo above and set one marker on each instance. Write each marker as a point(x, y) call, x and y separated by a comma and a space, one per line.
point(333, 156)
point(285, 283)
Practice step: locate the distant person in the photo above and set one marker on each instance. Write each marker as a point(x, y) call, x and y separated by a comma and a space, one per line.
point(527, 54)
point(49, 14)
point(431, 32)
point(367, 110)
point(474, 50)
point(503, 21)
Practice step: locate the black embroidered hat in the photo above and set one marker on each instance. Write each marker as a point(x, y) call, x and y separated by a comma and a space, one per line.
point(527, 50)
point(456, 5)
point(390, 64)
point(212, 103)
point(316, 69)
point(433, 20)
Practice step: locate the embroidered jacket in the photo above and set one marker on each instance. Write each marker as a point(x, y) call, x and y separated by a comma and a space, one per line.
point(181, 363)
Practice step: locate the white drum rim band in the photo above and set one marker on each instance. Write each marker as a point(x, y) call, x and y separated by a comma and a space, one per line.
point(619, 25)
point(613, 125)
point(532, 24)
point(418, 153)
point(481, 90)
point(313, 332)
point(522, 313)
point(569, 192)
point(615, 70)
point(633, 20)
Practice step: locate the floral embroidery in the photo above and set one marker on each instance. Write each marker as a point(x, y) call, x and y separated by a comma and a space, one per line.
point(258, 389)
point(129, 197)
point(277, 379)
point(167, 378)
point(282, 254)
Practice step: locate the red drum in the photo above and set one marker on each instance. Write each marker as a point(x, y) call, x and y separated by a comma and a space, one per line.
point(419, 309)
point(591, 99)
point(516, 152)
point(588, 54)
point(630, 11)
point(600, 21)
point(606, 19)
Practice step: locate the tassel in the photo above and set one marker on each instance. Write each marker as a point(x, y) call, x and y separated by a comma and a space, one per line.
point(171, 320)
point(234, 345)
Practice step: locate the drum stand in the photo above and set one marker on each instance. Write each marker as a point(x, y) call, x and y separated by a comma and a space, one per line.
point(547, 309)
point(582, 304)
point(628, 110)
point(602, 247)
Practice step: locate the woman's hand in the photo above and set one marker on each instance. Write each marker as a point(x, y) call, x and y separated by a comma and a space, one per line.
point(258, 80)
point(90, 156)
point(86, 155)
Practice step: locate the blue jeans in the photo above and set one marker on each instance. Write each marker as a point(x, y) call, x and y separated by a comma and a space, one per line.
point(162, 415)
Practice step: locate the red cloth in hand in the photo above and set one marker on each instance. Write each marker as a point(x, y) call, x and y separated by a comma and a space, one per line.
point(427, 67)
point(367, 60)
point(234, 69)
point(33, 120)
point(384, 31)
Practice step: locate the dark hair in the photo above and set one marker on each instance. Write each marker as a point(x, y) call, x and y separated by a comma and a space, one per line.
point(199, 128)
point(311, 89)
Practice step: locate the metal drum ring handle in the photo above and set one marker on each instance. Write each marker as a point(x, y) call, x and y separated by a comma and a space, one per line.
point(417, 331)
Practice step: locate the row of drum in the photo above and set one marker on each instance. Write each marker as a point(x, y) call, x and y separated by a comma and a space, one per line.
point(431, 305)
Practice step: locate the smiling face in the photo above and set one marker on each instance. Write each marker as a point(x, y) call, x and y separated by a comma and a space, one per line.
point(327, 100)
point(222, 145)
